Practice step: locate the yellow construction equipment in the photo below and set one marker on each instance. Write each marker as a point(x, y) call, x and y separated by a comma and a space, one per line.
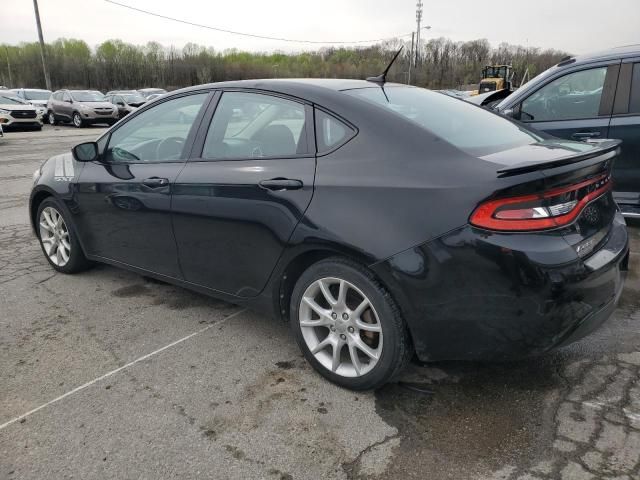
point(495, 77)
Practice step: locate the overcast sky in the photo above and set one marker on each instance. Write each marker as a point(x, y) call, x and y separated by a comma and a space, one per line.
point(576, 26)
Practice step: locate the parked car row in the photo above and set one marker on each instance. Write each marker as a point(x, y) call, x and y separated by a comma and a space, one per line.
point(30, 107)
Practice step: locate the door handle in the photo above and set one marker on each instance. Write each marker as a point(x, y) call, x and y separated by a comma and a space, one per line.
point(583, 135)
point(155, 182)
point(281, 184)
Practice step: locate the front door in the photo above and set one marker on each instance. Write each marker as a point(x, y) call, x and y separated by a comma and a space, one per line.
point(65, 106)
point(575, 106)
point(237, 204)
point(124, 201)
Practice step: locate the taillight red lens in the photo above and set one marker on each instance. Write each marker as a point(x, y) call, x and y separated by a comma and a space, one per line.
point(551, 209)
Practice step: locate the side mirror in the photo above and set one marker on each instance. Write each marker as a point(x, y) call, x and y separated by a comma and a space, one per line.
point(120, 104)
point(85, 152)
point(508, 112)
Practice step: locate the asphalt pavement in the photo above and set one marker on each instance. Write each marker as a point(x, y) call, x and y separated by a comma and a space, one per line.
point(108, 374)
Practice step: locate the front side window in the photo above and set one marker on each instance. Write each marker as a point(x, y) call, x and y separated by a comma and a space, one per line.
point(573, 96)
point(157, 134)
point(66, 97)
point(253, 125)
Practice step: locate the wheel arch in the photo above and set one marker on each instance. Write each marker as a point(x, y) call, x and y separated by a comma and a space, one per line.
point(296, 264)
point(37, 198)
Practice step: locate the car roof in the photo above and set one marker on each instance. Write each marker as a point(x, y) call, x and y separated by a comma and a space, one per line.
point(299, 84)
point(612, 53)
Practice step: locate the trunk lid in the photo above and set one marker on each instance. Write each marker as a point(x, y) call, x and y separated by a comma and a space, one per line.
point(563, 180)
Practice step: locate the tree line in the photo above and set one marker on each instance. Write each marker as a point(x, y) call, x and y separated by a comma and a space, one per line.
point(115, 64)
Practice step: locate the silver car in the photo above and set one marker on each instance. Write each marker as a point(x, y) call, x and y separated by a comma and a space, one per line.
point(80, 107)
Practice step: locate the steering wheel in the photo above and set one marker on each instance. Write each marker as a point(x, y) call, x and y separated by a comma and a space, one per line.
point(169, 148)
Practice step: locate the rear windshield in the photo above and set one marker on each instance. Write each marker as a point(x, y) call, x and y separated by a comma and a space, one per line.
point(467, 127)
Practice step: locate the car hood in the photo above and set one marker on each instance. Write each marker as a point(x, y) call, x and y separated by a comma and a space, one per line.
point(39, 103)
point(547, 153)
point(13, 106)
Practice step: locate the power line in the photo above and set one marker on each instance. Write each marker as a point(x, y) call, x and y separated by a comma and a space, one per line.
point(252, 35)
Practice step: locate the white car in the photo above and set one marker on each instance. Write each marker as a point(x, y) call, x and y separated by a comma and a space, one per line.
point(15, 112)
point(35, 96)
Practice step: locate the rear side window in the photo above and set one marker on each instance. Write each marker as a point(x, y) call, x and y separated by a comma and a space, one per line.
point(330, 132)
point(467, 127)
point(253, 125)
point(634, 100)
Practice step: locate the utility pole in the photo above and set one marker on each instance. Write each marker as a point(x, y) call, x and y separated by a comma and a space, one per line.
point(418, 20)
point(413, 34)
point(9, 67)
point(47, 79)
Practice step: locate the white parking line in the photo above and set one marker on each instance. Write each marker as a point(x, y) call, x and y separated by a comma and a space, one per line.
point(113, 372)
point(600, 405)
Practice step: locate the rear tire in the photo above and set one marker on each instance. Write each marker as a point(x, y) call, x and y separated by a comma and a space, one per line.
point(58, 238)
point(372, 342)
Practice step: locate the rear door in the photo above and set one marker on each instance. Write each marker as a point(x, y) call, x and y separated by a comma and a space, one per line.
point(246, 187)
point(625, 125)
point(576, 105)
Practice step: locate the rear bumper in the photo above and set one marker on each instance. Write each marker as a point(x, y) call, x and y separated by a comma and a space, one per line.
point(474, 295)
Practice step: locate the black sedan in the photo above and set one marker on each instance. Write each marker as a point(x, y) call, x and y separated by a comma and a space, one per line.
point(378, 219)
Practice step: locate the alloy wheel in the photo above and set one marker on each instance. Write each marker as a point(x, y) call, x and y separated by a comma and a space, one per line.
point(340, 327)
point(54, 236)
point(77, 121)
point(52, 119)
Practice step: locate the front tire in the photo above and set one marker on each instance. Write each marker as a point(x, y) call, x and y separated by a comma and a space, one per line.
point(52, 119)
point(58, 239)
point(348, 326)
point(77, 120)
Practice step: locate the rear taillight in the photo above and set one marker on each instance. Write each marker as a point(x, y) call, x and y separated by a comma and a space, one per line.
point(551, 209)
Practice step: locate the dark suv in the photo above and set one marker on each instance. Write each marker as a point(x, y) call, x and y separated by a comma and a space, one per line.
point(590, 97)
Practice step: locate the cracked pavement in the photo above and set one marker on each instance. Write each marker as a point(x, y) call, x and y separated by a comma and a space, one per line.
point(237, 400)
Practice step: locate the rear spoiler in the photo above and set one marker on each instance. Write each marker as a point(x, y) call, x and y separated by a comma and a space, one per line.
point(605, 148)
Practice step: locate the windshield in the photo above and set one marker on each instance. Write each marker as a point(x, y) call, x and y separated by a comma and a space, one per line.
point(86, 96)
point(154, 91)
point(133, 98)
point(467, 127)
point(493, 72)
point(37, 94)
point(10, 100)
